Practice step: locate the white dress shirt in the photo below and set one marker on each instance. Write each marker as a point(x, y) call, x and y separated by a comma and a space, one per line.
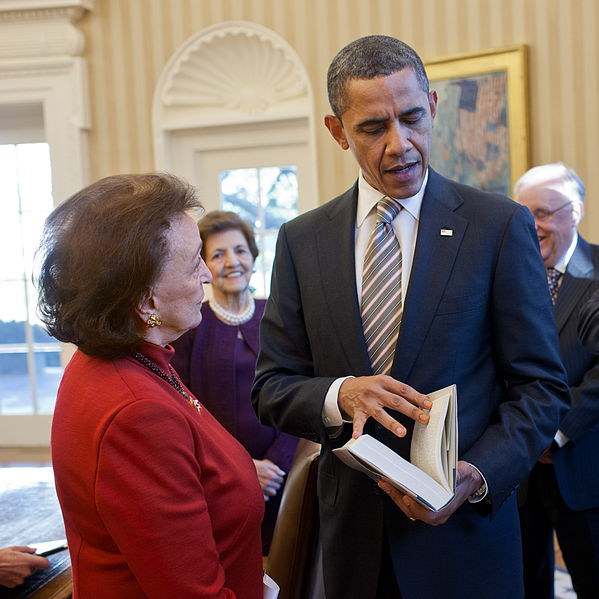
point(563, 262)
point(405, 226)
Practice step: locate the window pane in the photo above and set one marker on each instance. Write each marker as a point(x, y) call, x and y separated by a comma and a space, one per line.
point(32, 226)
point(48, 370)
point(257, 284)
point(8, 179)
point(277, 189)
point(35, 182)
point(269, 242)
point(278, 186)
point(15, 389)
point(12, 303)
point(15, 386)
point(28, 355)
point(10, 246)
point(239, 189)
point(261, 279)
point(48, 373)
point(39, 332)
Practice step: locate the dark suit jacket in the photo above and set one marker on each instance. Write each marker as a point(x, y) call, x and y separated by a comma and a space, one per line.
point(588, 323)
point(577, 463)
point(478, 314)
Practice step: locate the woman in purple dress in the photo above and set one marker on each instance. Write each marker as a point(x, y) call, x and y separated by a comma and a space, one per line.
point(216, 360)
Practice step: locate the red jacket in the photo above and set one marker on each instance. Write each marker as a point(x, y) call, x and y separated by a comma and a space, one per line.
point(158, 500)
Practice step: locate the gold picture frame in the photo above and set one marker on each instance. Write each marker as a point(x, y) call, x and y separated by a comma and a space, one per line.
point(481, 134)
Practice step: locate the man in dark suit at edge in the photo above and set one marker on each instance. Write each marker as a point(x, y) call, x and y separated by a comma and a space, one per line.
point(470, 286)
point(562, 492)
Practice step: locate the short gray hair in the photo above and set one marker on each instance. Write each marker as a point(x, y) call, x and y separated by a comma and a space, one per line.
point(569, 183)
point(366, 58)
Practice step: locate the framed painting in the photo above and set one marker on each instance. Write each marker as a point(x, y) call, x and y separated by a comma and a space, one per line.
point(480, 136)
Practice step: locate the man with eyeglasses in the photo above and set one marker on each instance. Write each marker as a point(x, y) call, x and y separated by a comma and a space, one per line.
point(562, 491)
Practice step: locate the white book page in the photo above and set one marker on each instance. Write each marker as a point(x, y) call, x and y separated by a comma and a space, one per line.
point(379, 461)
point(430, 444)
point(270, 587)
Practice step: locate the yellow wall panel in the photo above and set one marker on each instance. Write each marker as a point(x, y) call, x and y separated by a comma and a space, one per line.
point(130, 41)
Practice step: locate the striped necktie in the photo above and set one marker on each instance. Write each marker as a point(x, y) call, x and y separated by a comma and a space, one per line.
point(381, 289)
point(553, 276)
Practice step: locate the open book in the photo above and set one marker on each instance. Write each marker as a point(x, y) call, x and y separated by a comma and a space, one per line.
point(430, 476)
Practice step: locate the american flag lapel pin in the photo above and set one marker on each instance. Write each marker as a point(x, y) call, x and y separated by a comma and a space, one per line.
point(446, 232)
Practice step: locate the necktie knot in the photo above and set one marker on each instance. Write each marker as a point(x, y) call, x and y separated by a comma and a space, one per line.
point(387, 209)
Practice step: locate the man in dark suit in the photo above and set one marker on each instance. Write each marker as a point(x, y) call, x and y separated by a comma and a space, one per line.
point(470, 286)
point(588, 323)
point(562, 493)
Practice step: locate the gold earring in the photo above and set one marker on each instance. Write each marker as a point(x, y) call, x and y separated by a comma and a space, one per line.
point(153, 321)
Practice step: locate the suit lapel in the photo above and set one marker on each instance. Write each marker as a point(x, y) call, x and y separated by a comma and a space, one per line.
point(432, 265)
point(434, 257)
point(578, 276)
point(335, 242)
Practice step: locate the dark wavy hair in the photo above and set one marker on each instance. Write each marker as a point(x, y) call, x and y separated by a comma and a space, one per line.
point(101, 252)
point(218, 221)
point(366, 58)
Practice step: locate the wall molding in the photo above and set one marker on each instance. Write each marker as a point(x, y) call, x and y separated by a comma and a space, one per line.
point(41, 28)
point(40, 64)
point(231, 72)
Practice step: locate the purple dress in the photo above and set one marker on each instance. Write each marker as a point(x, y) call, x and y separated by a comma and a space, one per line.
point(218, 367)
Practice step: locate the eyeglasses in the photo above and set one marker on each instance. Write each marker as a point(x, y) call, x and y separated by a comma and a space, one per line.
point(541, 214)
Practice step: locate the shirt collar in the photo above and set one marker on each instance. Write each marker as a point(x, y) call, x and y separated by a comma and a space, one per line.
point(562, 265)
point(368, 197)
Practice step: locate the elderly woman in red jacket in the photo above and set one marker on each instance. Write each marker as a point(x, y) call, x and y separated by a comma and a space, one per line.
point(217, 359)
point(158, 499)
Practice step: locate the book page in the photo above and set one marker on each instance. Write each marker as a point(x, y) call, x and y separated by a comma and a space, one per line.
point(451, 437)
point(430, 443)
point(370, 456)
point(270, 587)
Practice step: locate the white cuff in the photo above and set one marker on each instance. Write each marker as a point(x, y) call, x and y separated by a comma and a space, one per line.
point(560, 438)
point(331, 414)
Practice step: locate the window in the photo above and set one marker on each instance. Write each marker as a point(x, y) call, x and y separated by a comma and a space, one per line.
point(29, 358)
point(226, 130)
point(265, 198)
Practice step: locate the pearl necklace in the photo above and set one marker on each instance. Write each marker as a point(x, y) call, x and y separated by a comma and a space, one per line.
point(172, 380)
point(232, 318)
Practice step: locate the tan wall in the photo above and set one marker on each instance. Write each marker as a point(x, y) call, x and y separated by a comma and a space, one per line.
point(130, 41)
